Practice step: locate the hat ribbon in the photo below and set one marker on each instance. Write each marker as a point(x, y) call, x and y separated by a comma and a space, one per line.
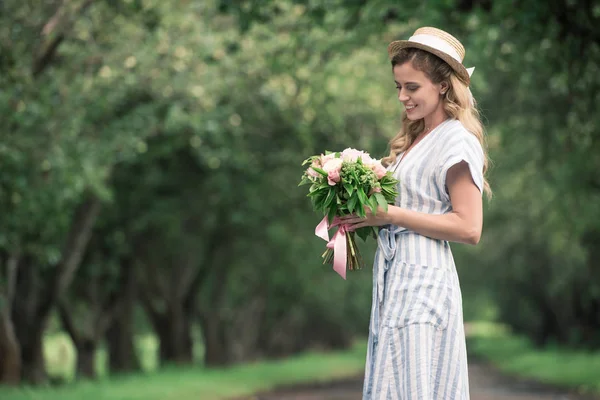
point(439, 44)
point(471, 98)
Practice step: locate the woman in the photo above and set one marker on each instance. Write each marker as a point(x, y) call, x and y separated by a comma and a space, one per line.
point(416, 338)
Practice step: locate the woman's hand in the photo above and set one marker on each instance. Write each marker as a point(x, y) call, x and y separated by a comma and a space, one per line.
point(380, 218)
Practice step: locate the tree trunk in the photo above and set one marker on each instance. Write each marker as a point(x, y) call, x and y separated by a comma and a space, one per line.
point(176, 345)
point(33, 365)
point(86, 359)
point(37, 298)
point(74, 249)
point(99, 318)
point(249, 319)
point(214, 327)
point(28, 325)
point(122, 356)
point(10, 351)
point(173, 326)
point(216, 352)
point(57, 28)
point(172, 323)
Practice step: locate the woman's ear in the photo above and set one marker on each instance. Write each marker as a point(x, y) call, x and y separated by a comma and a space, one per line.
point(444, 87)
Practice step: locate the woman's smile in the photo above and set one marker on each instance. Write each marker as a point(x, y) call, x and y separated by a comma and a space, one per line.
point(409, 108)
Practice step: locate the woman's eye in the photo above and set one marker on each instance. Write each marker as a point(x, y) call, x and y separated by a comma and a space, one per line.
point(409, 88)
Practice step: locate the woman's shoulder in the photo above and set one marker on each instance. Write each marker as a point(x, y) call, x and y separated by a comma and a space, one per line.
point(454, 127)
point(454, 133)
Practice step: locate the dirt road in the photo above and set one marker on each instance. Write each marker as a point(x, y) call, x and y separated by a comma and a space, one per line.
point(486, 384)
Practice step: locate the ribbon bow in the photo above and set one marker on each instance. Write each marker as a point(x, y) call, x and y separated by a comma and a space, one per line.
point(471, 98)
point(337, 242)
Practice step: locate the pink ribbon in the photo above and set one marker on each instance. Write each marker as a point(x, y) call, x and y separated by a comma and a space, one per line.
point(337, 243)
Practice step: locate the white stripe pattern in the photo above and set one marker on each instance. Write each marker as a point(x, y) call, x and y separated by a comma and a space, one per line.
point(416, 346)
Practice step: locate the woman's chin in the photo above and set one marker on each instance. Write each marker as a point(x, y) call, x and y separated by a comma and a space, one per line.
point(412, 116)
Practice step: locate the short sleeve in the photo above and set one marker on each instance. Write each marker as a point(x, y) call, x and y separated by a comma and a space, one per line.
point(464, 147)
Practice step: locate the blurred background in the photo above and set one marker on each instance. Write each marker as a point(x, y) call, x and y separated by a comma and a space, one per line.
point(150, 152)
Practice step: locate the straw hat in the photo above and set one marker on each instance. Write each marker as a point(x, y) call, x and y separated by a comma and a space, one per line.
point(440, 43)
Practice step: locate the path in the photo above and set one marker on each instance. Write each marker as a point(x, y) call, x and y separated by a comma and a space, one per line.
point(486, 384)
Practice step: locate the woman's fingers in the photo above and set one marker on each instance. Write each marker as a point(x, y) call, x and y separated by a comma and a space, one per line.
point(353, 220)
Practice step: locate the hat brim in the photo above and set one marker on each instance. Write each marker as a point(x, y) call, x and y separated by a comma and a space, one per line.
point(395, 47)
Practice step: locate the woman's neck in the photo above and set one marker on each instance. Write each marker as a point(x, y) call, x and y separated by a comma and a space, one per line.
point(434, 119)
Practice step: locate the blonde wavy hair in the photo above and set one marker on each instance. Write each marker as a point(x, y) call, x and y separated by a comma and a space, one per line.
point(458, 104)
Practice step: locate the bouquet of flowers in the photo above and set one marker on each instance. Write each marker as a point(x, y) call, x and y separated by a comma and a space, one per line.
point(344, 183)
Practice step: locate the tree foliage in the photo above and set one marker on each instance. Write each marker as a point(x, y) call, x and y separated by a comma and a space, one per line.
point(151, 150)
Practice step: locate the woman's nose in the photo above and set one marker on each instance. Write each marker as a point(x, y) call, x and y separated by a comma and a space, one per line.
point(402, 95)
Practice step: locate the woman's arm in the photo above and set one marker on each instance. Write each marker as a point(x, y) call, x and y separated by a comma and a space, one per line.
point(463, 224)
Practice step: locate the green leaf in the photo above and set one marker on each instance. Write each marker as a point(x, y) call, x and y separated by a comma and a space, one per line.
point(305, 181)
point(360, 210)
point(374, 232)
point(318, 200)
point(319, 170)
point(373, 204)
point(324, 185)
point(352, 203)
point(308, 160)
point(317, 192)
point(362, 202)
point(349, 188)
point(381, 201)
point(330, 197)
point(362, 196)
point(332, 213)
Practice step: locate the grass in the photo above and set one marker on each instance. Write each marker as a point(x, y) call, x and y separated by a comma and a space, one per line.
point(515, 355)
point(510, 353)
point(60, 355)
point(198, 383)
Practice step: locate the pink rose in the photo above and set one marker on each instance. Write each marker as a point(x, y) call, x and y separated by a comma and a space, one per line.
point(351, 155)
point(311, 172)
point(333, 167)
point(378, 169)
point(333, 177)
point(325, 158)
point(370, 163)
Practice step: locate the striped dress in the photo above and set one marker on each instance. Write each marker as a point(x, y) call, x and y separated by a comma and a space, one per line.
point(416, 347)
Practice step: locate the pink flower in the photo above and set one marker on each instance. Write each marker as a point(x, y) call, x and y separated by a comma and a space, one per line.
point(376, 167)
point(333, 167)
point(311, 172)
point(379, 169)
point(351, 155)
point(375, 190)
point(333, 177)
point(325, 158)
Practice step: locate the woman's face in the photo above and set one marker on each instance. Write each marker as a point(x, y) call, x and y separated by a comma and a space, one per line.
point(421, 97)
